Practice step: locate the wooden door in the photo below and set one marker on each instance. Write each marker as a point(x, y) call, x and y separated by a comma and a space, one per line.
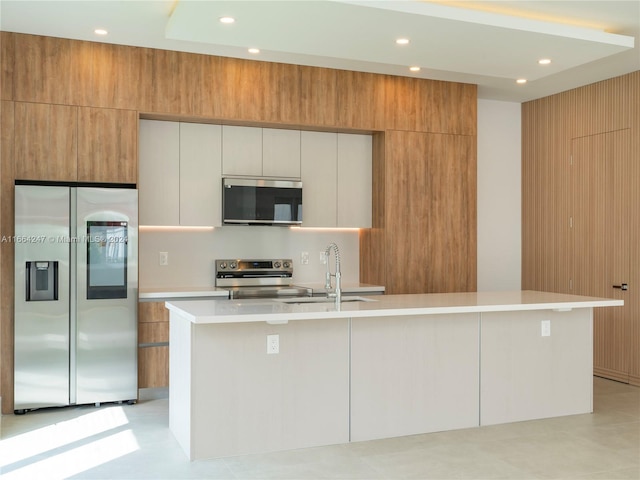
point(107, 145)
point(601, 256)
point(45, 142)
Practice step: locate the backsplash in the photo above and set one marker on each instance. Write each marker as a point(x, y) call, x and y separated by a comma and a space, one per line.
point(191, 252)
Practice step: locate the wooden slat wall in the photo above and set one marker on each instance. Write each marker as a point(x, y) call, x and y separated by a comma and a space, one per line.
point(600, 119)
point(633, 296)
point(105, 86)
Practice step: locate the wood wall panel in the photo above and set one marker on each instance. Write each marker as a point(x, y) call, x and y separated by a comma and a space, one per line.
point(632, 298)
point(360, 100)
point(546, 195)
point(602, 107)
point(7, 48)
point(107, 145)
point(596, 124)
point(45, 142)
point(318, 96)
point(109, 76)
point(49, 70)
point(6, 254)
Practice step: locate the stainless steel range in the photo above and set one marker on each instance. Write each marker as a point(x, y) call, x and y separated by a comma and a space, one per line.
point(258, 278)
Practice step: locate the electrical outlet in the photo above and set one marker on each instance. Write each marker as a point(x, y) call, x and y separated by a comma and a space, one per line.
point(163, 258)
point(304, 258)
point(273, 343)
point(323, 257)
point(545, 328)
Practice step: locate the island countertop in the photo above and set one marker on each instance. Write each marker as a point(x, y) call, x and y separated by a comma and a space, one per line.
point(277, 311)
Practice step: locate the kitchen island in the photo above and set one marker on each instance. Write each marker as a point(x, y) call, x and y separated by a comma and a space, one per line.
point(389, 366)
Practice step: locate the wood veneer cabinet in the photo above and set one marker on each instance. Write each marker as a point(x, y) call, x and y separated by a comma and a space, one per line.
point(153, 341)
point(580, 196)
point(45, 140)
point(424, 219)
point(107, 145)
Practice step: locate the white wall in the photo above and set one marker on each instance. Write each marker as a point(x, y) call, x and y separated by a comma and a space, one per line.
point(499, 196)
point(192, 252)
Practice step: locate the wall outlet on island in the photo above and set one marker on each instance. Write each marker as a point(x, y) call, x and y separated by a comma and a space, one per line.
point(273, 343)
point(545, 328)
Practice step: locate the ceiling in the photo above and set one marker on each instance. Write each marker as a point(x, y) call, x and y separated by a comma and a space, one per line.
point(489, 43)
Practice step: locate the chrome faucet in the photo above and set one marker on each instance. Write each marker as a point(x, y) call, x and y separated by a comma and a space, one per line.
point(337, 292)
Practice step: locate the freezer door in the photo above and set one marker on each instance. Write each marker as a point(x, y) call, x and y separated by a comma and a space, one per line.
point(107, 295)
point(41, 303)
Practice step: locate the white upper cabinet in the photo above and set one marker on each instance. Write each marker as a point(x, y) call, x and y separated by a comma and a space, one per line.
point(180, 174)
point(336, 180)
point(241, 151)
point(159, 173)
point(354, 180)
point(200, 174)
point(319, 173)
point(260, 152)
point(280, 153)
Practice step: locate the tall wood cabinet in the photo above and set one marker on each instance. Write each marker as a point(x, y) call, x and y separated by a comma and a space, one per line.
point(580, 209)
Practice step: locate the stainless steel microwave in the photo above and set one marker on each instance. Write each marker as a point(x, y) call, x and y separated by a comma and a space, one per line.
point(247, 201)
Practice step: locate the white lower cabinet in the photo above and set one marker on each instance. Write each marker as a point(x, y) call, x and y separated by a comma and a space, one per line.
point(180, 177)
point(414, 374)
point(336, 180)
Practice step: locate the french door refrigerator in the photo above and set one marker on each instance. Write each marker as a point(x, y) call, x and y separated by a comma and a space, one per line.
point(76, 292)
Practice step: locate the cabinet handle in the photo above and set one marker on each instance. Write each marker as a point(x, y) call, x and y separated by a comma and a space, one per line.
point(624, 286)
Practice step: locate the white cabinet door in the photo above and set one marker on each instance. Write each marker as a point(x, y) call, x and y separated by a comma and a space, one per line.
point(280, 153)
point(159, 173)
point(200, 174)
point(319, 170)
point(241, 151)
point(354, 180)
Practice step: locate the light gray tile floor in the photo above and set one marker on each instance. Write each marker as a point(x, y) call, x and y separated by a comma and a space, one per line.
point(134, 442)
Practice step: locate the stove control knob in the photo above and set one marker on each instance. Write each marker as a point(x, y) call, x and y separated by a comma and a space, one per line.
point(276, 264)
point(286, 265)
point(233, 265)
point(223, 265)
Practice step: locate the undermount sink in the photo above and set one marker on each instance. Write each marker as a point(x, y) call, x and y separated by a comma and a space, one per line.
point(296, 300)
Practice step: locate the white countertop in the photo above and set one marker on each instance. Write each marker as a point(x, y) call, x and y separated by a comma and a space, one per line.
point(274, 311)
point(163, 293)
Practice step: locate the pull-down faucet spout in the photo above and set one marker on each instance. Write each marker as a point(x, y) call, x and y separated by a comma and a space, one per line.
point(337, 292)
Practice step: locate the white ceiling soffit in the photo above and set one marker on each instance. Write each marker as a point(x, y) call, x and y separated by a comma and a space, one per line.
point(489, 43)
point(442, 38)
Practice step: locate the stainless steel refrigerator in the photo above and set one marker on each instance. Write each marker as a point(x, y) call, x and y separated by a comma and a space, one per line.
point(76, 292)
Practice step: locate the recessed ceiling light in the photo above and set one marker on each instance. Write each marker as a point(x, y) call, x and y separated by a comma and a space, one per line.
point(521, 80)
point(100, 31)
point(544, 61)
point(414, 69)
point(227, 19)
point(402, 41)
point(254, 50)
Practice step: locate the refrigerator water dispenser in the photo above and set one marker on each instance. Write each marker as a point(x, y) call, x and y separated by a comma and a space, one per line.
point(42, 281)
